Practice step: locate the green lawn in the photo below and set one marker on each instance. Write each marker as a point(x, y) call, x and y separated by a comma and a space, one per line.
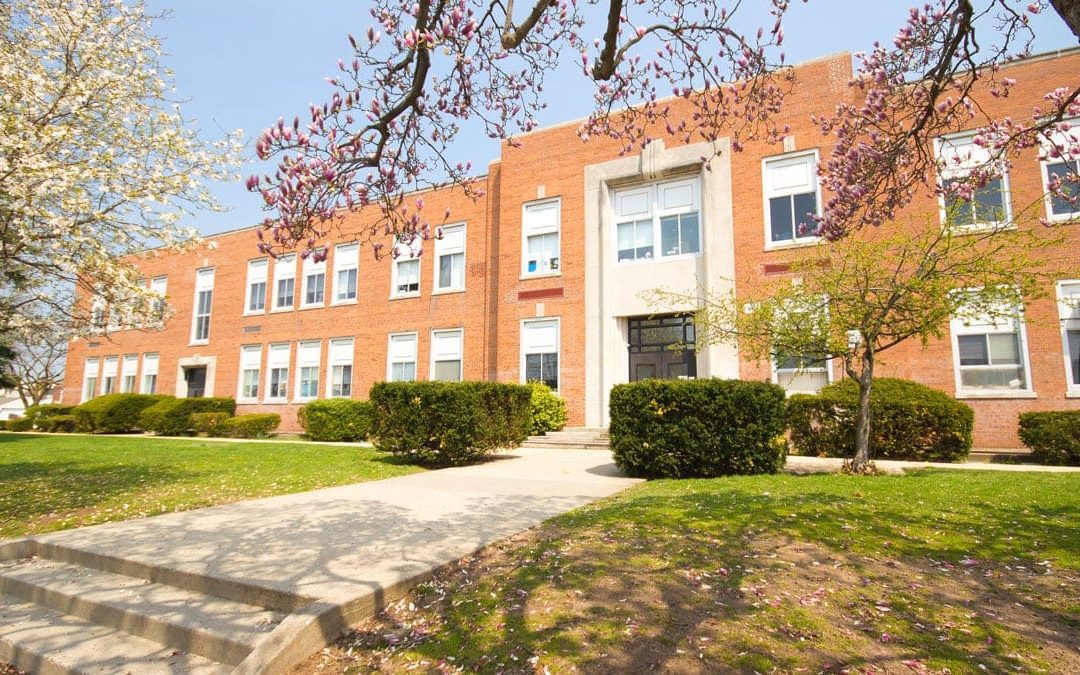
point(57, 482)
point(937, 571)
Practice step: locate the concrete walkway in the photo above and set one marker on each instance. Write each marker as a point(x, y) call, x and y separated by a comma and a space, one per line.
point(260, 585)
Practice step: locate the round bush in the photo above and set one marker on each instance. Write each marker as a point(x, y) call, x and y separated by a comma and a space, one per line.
point(337, 419)
point(908, 420)
point(20, 424)
point(257, 425)
point(697, 428)
point(113, 413)
point(172, 416)
point(208, 423)
point(1054, 437)
point(38, 413)
point(58, 424)
point(548, 410)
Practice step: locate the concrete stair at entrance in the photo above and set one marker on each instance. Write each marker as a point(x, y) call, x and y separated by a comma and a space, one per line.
point(590, 438)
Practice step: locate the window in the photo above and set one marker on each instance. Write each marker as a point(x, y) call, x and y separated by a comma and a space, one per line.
point(792, 199)
point(90, 379)
point(406, 273)
point(97, 311)
point(346, 266)
point(540, 223)
point(250, 360)
point(128, 373)
point(450, 259)
point(284, 283)
point(988, 205)
point(665, 212)
point(277, 376)
point(159, 286)
point(803, 373)
point(149, 373)
point(307, 364)
point(108, 375)
point(1060, 167)
point(204, 294)
point(540, 352)
point(314, 281)
point(1068, 294)
point(401, 358)
point(255, 301)
point(341, 357)
point(991, 353)
point(446, 355)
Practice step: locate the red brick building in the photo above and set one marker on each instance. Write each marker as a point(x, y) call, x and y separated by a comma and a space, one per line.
point(540, 279)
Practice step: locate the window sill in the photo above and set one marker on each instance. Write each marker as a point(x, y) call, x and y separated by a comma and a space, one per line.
point(247, 401)
point(785, 245)
point(540, 275)
point(982, 228)
point(660, 259)
point(975, 395)
point(317, 306)
point(405, 296)
point(281, 310)
point(261, 312)
point(447, 291)
point(1072, 394)
point(341, 303)
point(274, 401)
point(198, 343)
point(1064, 218)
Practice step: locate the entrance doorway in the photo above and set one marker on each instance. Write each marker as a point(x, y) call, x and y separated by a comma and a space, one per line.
point(195, 380)
point(662, 347)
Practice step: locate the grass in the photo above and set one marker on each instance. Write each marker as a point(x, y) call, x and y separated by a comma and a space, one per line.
point(52, 483)
point(935, 571)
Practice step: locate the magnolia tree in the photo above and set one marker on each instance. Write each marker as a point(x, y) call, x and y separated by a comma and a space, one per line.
point(96, 160)
point(424, 68)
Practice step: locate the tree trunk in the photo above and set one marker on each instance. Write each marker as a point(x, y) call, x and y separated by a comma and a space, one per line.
point(861, 460)
point(1069, 11)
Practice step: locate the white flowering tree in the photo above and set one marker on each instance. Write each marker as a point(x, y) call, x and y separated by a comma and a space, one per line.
point(96, 160)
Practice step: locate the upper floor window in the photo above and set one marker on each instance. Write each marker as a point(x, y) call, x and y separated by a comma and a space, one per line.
point(97, 311)
point(255, 301)
point(540, 226)
point(406, 272)
point(1068, 296)
point(159, 287)
point(204, 295)
point(450, 259)
point(346, 268)
point(314, 281)
point(1061, 164)
point(990, 351)
point(446, 355)
point(792, 198)
point(401, 358)
point(668, 213)
point(285, 282)
point(985, 202)
point(340, 357)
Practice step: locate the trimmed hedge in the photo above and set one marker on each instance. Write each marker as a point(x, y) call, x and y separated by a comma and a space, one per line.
point(20, 424)
point(208, 422)
point(59, 424)
point(449, 423)
point(42, 411)
point(112, 413)
point(1054, 437)
point(337, 419)
point(172, 416)
point(256, 425)
point(548, 410)
point(907, 421)
point(697, 428)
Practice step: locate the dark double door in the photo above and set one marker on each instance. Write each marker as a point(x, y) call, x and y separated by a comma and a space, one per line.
point(195, 379)
point(662, 347)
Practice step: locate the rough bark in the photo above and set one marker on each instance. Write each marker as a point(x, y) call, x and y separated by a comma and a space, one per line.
point(1069, 11)
point(861, 460)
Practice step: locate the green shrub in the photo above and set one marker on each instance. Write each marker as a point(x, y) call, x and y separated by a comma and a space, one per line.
point(41, 411)
point(208, 423)
point(1054, 437)
point(548, 410)
point(907, 421)
point(112, 413)
point(58, 424)
point(20, 424)
point(449, 423)
point(172, 416)
point(697, 428)
point(251, 426)
point(337, 419)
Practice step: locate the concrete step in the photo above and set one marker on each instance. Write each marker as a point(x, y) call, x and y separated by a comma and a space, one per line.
point(564, 445)
point(39, 640)
point(215, 628)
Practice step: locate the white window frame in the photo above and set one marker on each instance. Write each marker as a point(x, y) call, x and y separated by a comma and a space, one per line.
point(654, 213)
point(346, 259)
point(1061, 138)
point(160, 287)
point(970, 157)
point(524, 350)
point(960, 325)
point(436, 357)
point(777, 371)
point(91, 378)
point(339, 355)
point(773, 163)
point(110, 368)
point(204, 282)
point(257, 272)
point(250, 360)
point(1069, 315)
point(397, 338)
point(308, 355)
point(529, 229)
point(312, 269)
point(406, 253)
point(449, 245)
point(275, 361)
point(129, 368)
point(98, 318)
point(151, 361)
point(284, 269)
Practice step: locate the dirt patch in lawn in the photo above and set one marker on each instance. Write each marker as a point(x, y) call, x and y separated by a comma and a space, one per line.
point(613, 598)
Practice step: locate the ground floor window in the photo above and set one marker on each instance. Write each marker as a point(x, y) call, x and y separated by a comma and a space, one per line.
point(804, 373)
point(340, 357)
point(991, 353)
point(90, 379)
point(446, 351)
point(401, 358)
point(1068, 295)
point(540, 352)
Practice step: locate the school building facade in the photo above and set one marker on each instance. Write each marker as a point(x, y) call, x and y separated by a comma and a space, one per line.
point(543, 278)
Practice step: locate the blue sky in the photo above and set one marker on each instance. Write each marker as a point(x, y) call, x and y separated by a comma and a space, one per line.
point(241, 64)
